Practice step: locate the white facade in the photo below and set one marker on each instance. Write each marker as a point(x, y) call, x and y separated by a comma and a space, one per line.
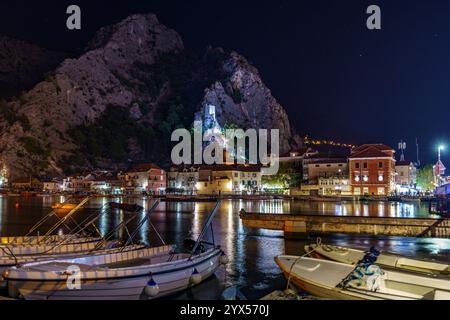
point(183, 179)
point(52, 186)
point(77, 184)
point(405, 174)
point(334, 186)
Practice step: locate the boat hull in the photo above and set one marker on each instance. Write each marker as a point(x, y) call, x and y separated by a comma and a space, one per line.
point(323, 279)
point(129, 285)
point(386, 260)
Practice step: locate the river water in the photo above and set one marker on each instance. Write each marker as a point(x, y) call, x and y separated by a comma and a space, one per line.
point(251, 252)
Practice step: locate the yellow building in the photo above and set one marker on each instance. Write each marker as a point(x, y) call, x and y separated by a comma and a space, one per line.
point(229, 179)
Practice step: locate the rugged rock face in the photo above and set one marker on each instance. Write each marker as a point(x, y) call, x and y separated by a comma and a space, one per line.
point(243, 99)
point(134, 81)
point(22, 65)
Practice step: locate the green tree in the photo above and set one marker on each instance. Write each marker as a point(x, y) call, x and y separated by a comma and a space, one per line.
point(425, 179)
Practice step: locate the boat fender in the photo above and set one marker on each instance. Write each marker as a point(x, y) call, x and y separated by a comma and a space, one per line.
point(196, 277)
point(224, 259)
point(152, 288)
point(13, 292)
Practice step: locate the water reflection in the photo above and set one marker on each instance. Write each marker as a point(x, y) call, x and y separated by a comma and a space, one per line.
point(251, 251)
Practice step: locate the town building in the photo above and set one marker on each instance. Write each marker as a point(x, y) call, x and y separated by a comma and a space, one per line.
point(405, 174)
point(372, 170)
point(323, 165)
point(144, 178)
point(334, 186)
point(229, 179)
point(27, 184)
point(183, 179)
point(292, 162)
point(52, 186)
point(78, 183)
point(439, 171)
point(106, 183)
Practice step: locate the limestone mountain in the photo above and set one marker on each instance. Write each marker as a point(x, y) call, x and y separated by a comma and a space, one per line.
point(120, 100)
point(22, 65)
point(243, 99)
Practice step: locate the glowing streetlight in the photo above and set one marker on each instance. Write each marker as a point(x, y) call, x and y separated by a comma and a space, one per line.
point(440, 148)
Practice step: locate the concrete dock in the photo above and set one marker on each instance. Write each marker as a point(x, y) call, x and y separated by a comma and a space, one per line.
point(301, 225)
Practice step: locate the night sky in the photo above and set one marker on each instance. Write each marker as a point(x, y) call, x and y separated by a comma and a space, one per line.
point(335, 78)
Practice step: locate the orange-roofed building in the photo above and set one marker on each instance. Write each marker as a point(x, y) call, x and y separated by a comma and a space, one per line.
point(372, 170)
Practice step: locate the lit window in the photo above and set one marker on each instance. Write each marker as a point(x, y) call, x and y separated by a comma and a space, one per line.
point(366, 178)
point(357, 178)
point(380, 178)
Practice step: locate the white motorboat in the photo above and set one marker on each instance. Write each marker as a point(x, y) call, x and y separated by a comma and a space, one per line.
point(32, 240)
point(128, 273)
point(68, 245)
point(131, 274)
point(334, 280)
point(388, 260)
point(62, 251)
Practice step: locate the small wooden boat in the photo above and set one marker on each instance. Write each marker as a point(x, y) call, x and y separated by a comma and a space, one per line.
point(328, 279)
point(386, 260)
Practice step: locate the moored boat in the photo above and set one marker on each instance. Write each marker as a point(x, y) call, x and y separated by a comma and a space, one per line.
point(388, 260)
point(34, 240)
point(334, 280)
point(131, 274)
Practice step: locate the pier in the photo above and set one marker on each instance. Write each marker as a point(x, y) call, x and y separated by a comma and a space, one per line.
point(301, 225)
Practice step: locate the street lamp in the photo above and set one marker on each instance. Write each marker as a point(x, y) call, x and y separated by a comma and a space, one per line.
point(440, 148)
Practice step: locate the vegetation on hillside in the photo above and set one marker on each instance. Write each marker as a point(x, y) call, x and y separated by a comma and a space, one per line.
point(187, 74)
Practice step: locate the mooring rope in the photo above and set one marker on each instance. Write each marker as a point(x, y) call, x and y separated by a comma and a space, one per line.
point(318, 244)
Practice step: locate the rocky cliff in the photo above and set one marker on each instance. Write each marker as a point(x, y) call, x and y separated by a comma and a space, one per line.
point(121, 99)
point(22, 65)
point(243, 99)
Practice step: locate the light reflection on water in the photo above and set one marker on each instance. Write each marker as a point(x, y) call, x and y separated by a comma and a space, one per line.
point(251, 252)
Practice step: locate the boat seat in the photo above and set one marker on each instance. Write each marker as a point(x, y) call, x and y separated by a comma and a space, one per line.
point(437, 295)
point(309, 266)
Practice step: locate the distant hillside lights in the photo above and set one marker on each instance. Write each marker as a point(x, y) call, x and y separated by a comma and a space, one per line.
point(210, 143)
point(4, 173)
